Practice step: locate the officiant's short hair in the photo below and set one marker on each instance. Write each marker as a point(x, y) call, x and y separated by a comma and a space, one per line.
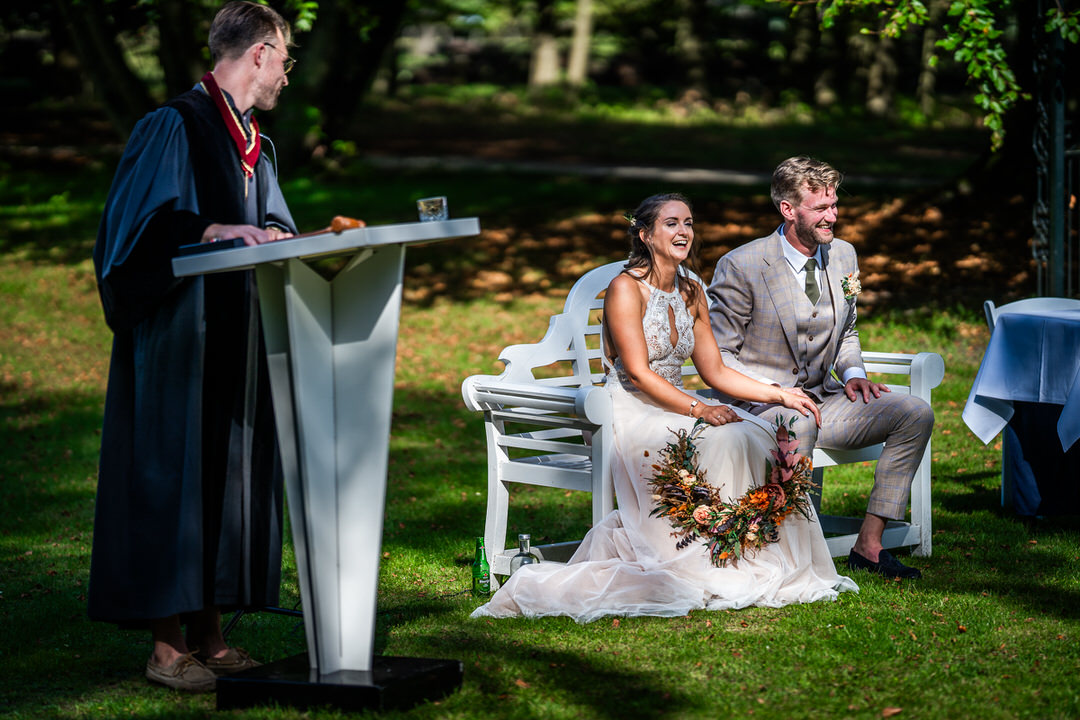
point(239, 25)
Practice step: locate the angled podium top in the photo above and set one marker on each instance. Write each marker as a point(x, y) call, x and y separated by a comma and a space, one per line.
point(328, 243)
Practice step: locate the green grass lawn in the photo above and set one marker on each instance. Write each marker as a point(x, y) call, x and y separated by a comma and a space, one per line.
point(991, 631)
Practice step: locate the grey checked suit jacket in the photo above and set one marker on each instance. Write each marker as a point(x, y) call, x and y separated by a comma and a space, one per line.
point(753, 301)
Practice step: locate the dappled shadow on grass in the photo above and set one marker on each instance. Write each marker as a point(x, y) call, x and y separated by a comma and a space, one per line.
point(916, 250)
point(52, 215)
point(437, 482)
point(579, 679)
point(981, 549)
point(52, 654)
point(1020, 575)
point(49, 461)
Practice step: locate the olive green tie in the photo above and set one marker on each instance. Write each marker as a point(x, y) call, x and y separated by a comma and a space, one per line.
point(812, 290)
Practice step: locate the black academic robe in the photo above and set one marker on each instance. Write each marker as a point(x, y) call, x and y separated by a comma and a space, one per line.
point(189, 502)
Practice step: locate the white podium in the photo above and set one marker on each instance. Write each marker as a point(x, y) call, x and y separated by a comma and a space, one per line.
point(331, 346)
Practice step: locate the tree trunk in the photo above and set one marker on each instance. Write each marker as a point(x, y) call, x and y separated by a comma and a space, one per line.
point(544, 67)
point(124, 96)
point(689, 45)
point(924, 91)
point(336, 63)
point(578, 68)
point(833, 81)
point(805, 54)
point(182, 32)
point(881, 78)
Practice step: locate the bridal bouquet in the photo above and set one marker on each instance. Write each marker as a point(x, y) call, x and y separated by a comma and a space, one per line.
point(729, 530)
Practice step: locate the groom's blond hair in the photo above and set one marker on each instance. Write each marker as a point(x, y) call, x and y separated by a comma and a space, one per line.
point(797, 174)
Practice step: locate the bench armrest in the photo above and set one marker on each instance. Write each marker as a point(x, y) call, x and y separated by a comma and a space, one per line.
point(487, 392)
point(925, 369)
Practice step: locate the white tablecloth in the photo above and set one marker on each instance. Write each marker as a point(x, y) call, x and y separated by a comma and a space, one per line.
point(1030, 358)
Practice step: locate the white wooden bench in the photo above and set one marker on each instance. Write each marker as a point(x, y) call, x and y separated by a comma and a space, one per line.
point(548, 423)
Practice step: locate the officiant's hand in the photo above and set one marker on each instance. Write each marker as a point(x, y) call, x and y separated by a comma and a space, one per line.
point(250, 234)
point(861, 386)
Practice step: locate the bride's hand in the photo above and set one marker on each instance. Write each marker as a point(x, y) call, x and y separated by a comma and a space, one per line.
point(718, 414)
point(797, 400)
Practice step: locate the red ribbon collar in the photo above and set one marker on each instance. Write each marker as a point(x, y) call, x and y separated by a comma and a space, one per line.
point(247, 148)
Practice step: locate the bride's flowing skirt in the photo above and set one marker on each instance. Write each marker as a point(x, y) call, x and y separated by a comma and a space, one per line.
point(628, 563)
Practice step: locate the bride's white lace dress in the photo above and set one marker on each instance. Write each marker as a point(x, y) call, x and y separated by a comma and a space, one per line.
point(628, 563)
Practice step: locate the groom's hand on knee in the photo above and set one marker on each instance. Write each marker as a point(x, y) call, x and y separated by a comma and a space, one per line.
point(861, 386)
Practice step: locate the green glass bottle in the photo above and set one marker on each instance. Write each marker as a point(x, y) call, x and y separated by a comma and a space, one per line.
point(481, 571)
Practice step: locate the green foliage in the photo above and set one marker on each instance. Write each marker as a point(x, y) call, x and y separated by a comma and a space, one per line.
point(1066, 23)
point(304, 14)
point(973, 36)
point(975, 42)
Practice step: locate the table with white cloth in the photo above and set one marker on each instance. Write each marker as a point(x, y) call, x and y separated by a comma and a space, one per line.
point(1028, 388)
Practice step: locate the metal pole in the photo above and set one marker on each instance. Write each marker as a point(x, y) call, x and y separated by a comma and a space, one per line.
point(1055, 81)
point(1040, 146)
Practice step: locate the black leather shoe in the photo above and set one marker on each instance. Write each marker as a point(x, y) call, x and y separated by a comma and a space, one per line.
point(886, 565)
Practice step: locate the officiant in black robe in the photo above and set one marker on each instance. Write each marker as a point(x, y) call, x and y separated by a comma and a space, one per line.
point(189, 506)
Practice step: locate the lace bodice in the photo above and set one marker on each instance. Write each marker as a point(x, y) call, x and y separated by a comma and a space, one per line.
point(665, 359)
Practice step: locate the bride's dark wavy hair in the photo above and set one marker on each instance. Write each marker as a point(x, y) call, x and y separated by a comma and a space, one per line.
point(643, 218)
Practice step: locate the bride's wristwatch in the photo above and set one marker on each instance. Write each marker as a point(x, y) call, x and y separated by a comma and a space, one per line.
point(690, 412)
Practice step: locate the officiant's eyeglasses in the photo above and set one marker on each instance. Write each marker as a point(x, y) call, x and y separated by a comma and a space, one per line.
point(287, 63)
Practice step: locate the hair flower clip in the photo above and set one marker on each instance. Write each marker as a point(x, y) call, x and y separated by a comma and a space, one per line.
point(629, 217)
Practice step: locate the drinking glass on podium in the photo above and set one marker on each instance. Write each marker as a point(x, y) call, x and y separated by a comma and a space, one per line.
point(432, 209)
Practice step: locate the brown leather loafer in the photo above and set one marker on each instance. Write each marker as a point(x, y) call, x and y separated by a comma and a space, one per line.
point(233, 661)
point(186, 673)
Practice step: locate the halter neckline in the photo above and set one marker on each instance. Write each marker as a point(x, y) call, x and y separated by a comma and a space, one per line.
point(652, 287)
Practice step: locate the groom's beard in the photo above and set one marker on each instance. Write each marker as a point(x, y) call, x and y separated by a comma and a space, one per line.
point(810, 235)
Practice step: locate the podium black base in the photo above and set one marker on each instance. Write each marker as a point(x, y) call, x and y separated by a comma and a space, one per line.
point(394, 682)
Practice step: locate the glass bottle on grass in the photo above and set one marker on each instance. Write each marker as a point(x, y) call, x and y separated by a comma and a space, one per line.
point(525, 555)
point(481, 571)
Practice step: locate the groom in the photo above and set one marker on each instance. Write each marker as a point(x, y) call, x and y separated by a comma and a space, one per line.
point(783, 312)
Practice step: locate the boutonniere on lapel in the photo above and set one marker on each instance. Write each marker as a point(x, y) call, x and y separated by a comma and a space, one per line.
point(851, 285)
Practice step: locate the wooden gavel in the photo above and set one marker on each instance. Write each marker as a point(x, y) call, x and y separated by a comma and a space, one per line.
point(339, 224)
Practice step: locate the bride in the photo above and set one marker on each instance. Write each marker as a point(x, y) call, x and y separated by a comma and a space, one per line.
point(655, 317)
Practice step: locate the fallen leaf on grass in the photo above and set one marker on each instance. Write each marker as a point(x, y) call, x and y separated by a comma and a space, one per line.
point(890, 711)
point(615, 623)
point(521, 683)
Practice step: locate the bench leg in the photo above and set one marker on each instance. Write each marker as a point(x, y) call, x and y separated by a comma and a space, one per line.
point(815, 493)
point(920, 506)
point(498, 504)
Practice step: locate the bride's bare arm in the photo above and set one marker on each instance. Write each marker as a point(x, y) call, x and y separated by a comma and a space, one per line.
point(710, 366)
point(624, 308)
